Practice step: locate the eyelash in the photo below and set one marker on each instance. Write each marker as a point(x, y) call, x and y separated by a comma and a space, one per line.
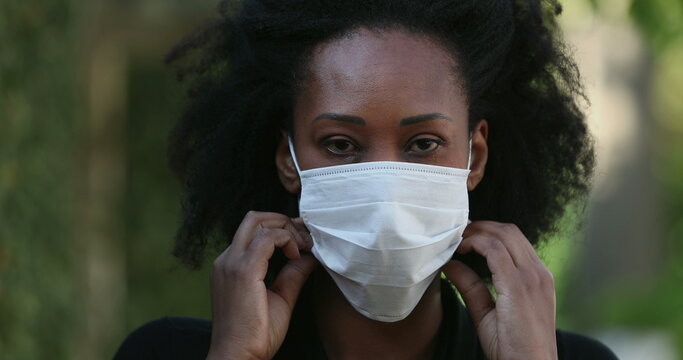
point(328, 143)
point(436, 141)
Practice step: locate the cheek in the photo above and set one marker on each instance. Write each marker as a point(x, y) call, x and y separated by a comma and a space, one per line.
point(449, 156)
point(455, 151)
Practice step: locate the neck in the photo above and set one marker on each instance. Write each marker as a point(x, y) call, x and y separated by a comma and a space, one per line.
point(346, 334)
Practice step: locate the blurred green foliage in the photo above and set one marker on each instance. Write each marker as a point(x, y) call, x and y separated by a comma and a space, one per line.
point(660, 20)
point(43, 144)
point(151, 205)
point(658, 304)
point(39, 126)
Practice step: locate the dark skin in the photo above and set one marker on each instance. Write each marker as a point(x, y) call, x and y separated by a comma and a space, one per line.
point(390, 96)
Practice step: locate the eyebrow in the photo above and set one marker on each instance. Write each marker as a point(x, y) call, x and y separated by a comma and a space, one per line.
point(341, 117)
point(357, 120)
point(422, 118)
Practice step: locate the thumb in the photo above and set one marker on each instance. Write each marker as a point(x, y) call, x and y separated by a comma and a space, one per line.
point(474, 292)
point(292, 277)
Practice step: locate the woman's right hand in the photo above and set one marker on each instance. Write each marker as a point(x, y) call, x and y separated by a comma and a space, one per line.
point(250, 320)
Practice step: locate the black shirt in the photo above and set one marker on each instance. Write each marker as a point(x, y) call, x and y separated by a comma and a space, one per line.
point(190, 338)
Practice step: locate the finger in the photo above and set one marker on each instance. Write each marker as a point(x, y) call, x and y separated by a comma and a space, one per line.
point(262, 249)
point(497, 255)
point(301, 234)
point(474, 292)
point(250, 224)
point(521, 251)
point(292, 277)
point(267, 239)
point(498, 260)
point(304, 232)
point(254, 220)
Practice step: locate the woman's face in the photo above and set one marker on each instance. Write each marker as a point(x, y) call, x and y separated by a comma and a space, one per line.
point(382, 96)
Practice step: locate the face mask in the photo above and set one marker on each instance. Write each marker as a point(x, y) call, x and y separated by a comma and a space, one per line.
point(383, 229)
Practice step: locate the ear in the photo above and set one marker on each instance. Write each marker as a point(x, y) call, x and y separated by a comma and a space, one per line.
point(480, 153)
point(286, 170)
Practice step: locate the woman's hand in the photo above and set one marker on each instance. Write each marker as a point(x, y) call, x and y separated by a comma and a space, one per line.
point(520, 322)
point(250, 321)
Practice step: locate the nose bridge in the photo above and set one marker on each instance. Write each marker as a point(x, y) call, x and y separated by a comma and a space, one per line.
point(384, 150)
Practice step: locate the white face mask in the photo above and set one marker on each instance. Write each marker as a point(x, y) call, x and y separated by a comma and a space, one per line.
point(383, 229)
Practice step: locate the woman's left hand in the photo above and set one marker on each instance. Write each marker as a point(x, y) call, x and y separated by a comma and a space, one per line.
point(520, 322)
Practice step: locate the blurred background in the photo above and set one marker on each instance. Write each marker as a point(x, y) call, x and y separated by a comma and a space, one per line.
point(88, 208)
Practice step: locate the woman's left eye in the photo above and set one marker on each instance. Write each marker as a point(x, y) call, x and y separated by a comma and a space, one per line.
point(425, 145)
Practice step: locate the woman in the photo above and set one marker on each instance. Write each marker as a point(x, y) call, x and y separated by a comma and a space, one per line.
point(404, 133)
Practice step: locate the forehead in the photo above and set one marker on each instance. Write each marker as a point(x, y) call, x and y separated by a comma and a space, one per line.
point(387, 65)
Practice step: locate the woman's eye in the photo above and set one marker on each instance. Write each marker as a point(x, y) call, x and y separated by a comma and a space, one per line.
point(424, 145)
point(339, 146)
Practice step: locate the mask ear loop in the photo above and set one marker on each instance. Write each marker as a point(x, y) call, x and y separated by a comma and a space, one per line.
point(469, 153)
point(291, 152)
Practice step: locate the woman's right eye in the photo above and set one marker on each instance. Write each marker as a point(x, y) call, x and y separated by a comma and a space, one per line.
point(339, 146)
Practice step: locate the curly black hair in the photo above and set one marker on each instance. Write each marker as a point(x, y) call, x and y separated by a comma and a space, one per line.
point(245, 69)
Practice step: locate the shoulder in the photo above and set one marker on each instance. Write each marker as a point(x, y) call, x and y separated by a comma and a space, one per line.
point(574, 346)
point(168, 338)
